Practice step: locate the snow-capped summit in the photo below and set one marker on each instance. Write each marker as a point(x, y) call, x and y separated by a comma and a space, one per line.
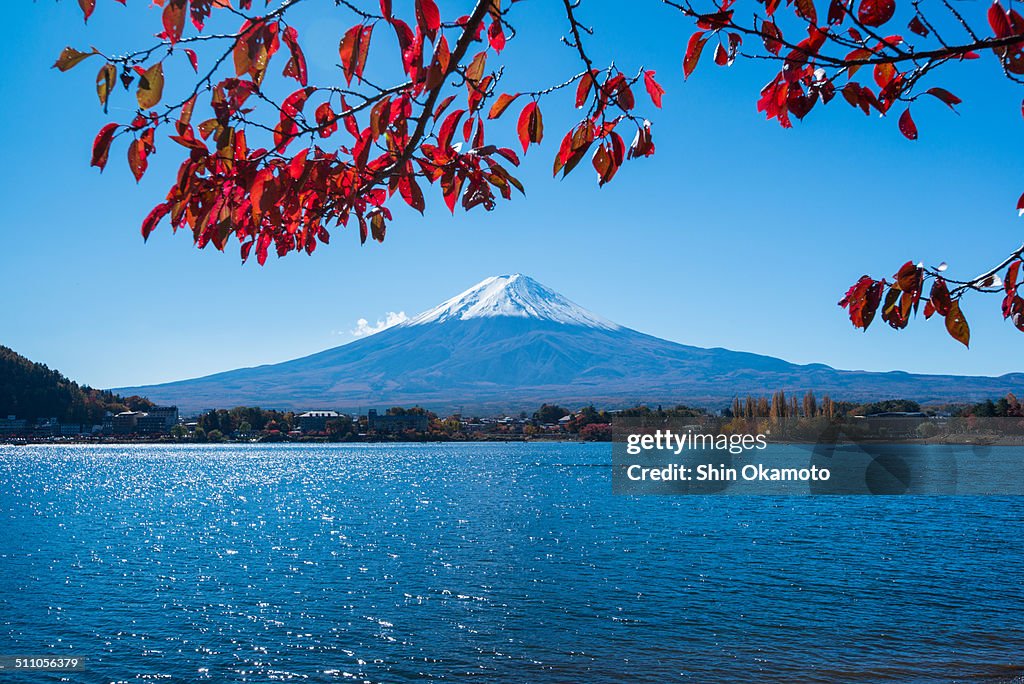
point(516, 296)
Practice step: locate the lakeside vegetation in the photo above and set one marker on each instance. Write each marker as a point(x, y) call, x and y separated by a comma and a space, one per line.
point(33, 391)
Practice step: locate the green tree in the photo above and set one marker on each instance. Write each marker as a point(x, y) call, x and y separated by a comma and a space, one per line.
point(549, 413)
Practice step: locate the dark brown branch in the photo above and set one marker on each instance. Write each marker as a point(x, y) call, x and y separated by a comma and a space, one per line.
point(461, 47)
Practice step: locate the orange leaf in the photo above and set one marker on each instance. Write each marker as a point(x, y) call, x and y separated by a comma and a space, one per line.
point(693, 50)
point(501, 104)
point(70, 58)
point(957, 326)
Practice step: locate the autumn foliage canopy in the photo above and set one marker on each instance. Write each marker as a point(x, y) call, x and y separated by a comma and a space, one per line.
point(277, 162)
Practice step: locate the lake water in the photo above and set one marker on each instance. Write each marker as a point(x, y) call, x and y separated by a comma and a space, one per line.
point(390, 563)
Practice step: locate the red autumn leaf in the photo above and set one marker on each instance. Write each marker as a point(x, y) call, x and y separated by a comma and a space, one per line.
point(653, 89)
point(909, 279)
point(606, 162)
point(602, 162)
point(643, 142)
point(364, 50)
point(353, 50)
point(957, 326)
point(411, 193)
point(622, 92)
point(261, 247)
point(287, 128)
point(149, 224)
point(896, 309)
point(884, 74)
point(572, 148)
point(501, 104)
point(1010, 281)
point(193, 59)
point(805, 9)
point(347, 51)
point(918, 27)
point(447, 130)
point(380, 116)
point(947, 97)
point(716, 20)
point(772, 37)
point(137, 161)
point(87, 7)
point(721, 56)
point(101, 145)
point(174, 19)
point(861, 301)
point(296, 67)
point(587, 81)
point(872, 298)
point(530, 126)
point(326, 119)
point(496, 36)
point(837, 12)
point(427, 17)
point(940, 298)
point(907, 126)
point(693, 50)
point(998, 20)
point(440, 109)
point(876, 12)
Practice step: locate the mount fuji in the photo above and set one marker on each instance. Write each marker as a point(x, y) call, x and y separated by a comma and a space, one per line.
point(509, 343)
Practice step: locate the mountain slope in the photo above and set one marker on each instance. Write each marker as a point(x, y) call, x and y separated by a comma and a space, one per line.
point(31, 390)
point(510, 343)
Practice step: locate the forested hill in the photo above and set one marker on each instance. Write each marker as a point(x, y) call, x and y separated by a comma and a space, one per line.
point(31, 390)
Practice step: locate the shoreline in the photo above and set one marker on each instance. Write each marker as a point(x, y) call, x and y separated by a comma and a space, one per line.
point(1017, 441)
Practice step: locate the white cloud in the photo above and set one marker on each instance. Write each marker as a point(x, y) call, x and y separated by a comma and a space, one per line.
point(363, 327)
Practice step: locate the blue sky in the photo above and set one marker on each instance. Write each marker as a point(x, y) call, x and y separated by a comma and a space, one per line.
point(736, 233)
